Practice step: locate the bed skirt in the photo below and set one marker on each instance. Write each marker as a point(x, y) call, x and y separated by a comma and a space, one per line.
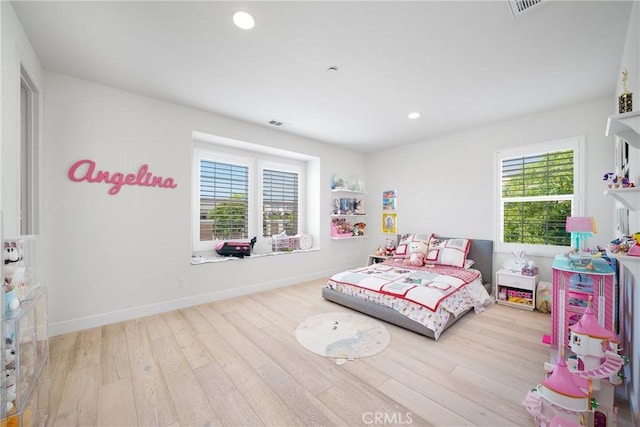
point(383, 313)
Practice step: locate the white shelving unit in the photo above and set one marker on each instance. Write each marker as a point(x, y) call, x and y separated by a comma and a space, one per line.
point(24, 347)
point(627, 127)
point(351, 217)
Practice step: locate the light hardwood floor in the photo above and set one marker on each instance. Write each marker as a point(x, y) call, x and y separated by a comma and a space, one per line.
point(236, 362)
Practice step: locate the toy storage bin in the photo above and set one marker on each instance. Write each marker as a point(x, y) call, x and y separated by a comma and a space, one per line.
point(520, 296)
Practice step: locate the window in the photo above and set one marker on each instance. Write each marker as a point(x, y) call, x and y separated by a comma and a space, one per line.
point(279, 202)
point(239, 194)
point(538, 188)
point(224, 200)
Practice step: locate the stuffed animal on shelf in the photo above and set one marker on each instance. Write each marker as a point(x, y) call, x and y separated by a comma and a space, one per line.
point(380, 251)
point(358, 228)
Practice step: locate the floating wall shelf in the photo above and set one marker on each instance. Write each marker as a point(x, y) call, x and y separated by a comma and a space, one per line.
point(629, 197)
point(626, 126)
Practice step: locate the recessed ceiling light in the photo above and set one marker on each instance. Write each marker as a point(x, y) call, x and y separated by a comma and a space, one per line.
point(414, 115)
point(244, 20)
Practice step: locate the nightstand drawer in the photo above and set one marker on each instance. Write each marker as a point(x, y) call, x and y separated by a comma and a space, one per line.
point(521, 282)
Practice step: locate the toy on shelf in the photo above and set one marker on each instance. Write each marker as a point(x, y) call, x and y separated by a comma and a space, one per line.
point(358, 228)
point(341, 228)
point(579, 391)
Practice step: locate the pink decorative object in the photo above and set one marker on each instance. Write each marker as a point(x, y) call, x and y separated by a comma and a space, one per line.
point(84, 170)
point(634, 250)
point(580, 391)
point(581, 224)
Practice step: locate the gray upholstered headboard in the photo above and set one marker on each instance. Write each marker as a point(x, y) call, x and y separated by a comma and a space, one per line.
point(481, 251)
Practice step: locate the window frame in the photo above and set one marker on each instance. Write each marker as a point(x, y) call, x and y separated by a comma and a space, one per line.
point(575, 143)
point(282, 167)
point(218, 149)
point(210, 155)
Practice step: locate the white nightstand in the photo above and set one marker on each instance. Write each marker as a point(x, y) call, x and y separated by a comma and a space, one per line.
point(374, 259)
point(516, 290)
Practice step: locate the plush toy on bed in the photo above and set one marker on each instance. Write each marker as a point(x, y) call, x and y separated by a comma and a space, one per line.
point(390, 247)
point(416, 253)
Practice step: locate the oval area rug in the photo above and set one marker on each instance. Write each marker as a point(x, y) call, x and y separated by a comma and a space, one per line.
point(343, 335)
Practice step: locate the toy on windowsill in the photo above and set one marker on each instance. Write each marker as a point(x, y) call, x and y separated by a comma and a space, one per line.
point(235, 249)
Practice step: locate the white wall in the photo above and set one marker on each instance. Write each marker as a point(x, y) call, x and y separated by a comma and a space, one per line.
point(446, 185)
point(16, 51)
point(116, 257)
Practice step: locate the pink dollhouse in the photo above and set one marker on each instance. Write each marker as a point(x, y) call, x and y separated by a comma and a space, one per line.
point(579, 391)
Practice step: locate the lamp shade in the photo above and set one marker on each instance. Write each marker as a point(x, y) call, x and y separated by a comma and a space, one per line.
point(581, 224)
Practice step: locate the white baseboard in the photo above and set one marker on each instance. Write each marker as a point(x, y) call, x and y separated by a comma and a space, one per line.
point(78, 324)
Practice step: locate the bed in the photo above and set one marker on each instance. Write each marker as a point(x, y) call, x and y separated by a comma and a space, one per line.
point(407, 296)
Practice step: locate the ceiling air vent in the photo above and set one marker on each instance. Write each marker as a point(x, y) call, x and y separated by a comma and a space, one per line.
point(276, 123)
point(518, 7)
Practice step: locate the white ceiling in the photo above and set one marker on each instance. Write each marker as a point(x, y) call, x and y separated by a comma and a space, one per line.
point(461, 64)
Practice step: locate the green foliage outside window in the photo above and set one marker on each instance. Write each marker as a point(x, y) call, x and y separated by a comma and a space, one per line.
point(537, 197)
point(228, 219)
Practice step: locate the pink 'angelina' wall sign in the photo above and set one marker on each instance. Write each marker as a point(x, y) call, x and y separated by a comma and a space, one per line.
point(85, 170)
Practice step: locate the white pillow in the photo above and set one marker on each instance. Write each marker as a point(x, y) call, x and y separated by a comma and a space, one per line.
point(402, 251)
point(448, 252)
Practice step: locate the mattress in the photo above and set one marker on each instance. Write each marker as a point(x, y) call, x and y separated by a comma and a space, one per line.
point(427, 295)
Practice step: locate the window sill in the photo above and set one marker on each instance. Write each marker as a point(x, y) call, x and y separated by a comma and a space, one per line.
point(207, 259)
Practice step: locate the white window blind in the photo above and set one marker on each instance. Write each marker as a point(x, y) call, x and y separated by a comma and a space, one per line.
point(224, 200)
point(538, 188)
point(279, 202)
point(537, 194)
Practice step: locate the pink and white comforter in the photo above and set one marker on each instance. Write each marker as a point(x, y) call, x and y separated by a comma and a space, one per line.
point(427, 295)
